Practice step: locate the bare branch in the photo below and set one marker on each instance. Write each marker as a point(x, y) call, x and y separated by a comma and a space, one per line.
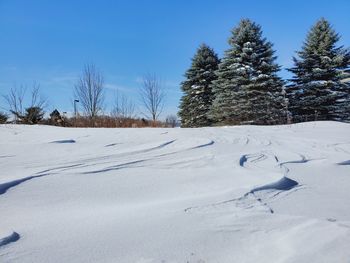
point(37, 100)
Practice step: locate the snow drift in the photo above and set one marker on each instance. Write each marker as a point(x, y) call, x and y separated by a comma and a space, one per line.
point(229, 194)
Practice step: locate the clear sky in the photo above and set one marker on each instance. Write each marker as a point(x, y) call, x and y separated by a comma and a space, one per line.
point(50, 41)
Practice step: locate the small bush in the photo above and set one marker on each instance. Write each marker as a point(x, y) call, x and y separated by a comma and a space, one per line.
point(3, 117)
point(32, 115)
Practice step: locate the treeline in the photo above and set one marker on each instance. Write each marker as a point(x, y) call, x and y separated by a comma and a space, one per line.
point(244, 87)
point(28, 106)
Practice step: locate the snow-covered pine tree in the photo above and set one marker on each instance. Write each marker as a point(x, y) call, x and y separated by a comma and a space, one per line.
point(197, 98)
point(341, 109)
point(317, 92)
point(248, 89)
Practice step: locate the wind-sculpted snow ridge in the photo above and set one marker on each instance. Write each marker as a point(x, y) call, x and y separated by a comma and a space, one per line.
point(273, 189)
point(7, 156)
point(136, 163)
point(111, 144)
point(284, 184)
point(159, 146)
point(302, 160)
point(243, 160)
point(110, 158)
point(262, 194)
point(65, 141)
point(5, 186)
point(204, 145)
point(344, 163)
point(9, 239)
point(116, 167)
point(60, 168)
point(252, 157)
point(146, 150)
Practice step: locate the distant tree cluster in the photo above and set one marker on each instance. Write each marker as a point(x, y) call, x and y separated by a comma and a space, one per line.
point(244, 87)
point(89, 93)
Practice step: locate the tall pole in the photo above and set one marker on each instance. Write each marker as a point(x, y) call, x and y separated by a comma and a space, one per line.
point(75, 112)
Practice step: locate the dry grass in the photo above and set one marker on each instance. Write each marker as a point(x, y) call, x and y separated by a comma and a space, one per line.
point(107, 122)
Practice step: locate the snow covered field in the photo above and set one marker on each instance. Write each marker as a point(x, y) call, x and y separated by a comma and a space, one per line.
point(230, 194)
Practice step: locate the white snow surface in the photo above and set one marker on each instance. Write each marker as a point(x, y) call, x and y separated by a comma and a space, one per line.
point(228, 194)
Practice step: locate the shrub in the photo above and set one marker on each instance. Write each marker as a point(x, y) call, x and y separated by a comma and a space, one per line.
point(3, 117)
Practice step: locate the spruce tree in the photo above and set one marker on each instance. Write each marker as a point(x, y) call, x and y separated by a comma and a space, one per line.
point(248, 89)
point(197, 94)
point(317, 92)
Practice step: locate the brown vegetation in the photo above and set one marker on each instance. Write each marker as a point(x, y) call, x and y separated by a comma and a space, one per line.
point(112, 122)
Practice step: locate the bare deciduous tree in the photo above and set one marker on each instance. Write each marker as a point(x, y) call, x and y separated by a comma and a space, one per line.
point(152, 96)
point(90, 90)
point(171, 120)
point(15, 100)
point(123, 107)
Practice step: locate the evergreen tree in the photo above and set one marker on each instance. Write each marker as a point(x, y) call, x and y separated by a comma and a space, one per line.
point(317, 92)
point(32, 115)
point(197, 98)
point(248, 89)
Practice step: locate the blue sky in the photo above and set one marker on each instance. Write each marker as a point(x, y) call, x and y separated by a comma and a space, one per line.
point(50, 41)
